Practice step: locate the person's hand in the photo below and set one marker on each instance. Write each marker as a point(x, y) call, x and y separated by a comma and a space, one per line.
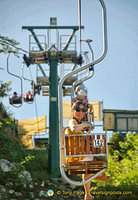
point(87, 126)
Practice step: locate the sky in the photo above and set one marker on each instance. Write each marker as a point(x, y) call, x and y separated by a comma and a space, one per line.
point(115, 81)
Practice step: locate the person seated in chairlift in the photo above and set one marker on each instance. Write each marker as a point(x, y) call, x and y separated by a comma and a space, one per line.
point(15, 98)
point(75, 126)
point(81, 94)
point(28, 96)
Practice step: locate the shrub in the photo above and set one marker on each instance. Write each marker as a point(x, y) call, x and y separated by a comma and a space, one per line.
point(115, 148)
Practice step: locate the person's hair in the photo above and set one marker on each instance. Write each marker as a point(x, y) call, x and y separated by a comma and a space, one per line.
point(77, 103)
point(15, 93)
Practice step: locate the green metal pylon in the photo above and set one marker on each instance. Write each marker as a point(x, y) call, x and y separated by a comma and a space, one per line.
point(53, 154)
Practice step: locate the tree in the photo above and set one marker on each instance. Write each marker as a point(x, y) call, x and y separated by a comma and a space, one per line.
point(6, 43)
point(129, 146)
point(4, 89)
point(5, 47)
point(115, 148)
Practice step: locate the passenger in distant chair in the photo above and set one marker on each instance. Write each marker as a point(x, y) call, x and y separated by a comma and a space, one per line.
point(81, 94)
point(28, 96)
point(15, 98)
point(75, 125)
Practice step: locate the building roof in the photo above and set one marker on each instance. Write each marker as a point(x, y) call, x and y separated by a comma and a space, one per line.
point(120, 111)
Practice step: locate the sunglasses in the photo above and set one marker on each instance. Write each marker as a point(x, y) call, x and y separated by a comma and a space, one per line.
point(80, 109)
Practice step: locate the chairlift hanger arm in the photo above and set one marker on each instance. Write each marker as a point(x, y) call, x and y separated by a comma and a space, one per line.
point(77, 82)
point(9, 71)
point(16, 77)
point(79, 3)
point(23, 74)
point(91, 63)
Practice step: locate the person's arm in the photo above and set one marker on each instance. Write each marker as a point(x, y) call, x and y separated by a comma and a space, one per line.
point(90, 106)
point(76, 128)
point(12, 99)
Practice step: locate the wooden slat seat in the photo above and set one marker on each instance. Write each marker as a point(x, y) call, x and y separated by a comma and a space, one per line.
point(85, 167)
point(83, 145)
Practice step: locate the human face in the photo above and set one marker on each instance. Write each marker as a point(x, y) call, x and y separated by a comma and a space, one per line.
point(79, 115)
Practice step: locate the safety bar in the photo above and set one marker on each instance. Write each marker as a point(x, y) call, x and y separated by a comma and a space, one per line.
point(60, 97)
point(85, 134)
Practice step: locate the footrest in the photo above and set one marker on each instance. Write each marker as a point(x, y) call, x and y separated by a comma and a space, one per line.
point(90, 164)
point(85, 167)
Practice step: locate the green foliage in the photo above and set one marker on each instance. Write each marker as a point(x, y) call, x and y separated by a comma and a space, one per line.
point(123, 173)
point(10, 148)
point(13, 150)
point(38, 165)
point(115, 148)
point(3, 112)
point(7, 123)
point(129, 146)
point(1, 124)
point(5, 89)
point(5, 47)
point(27, 159)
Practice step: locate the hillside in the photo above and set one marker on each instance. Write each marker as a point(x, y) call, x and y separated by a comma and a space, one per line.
point(24, 173)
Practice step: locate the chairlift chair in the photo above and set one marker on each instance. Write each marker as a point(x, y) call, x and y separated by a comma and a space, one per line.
point(28, 99)
point(91, 151)
point(87, 145)
point(15, 100)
